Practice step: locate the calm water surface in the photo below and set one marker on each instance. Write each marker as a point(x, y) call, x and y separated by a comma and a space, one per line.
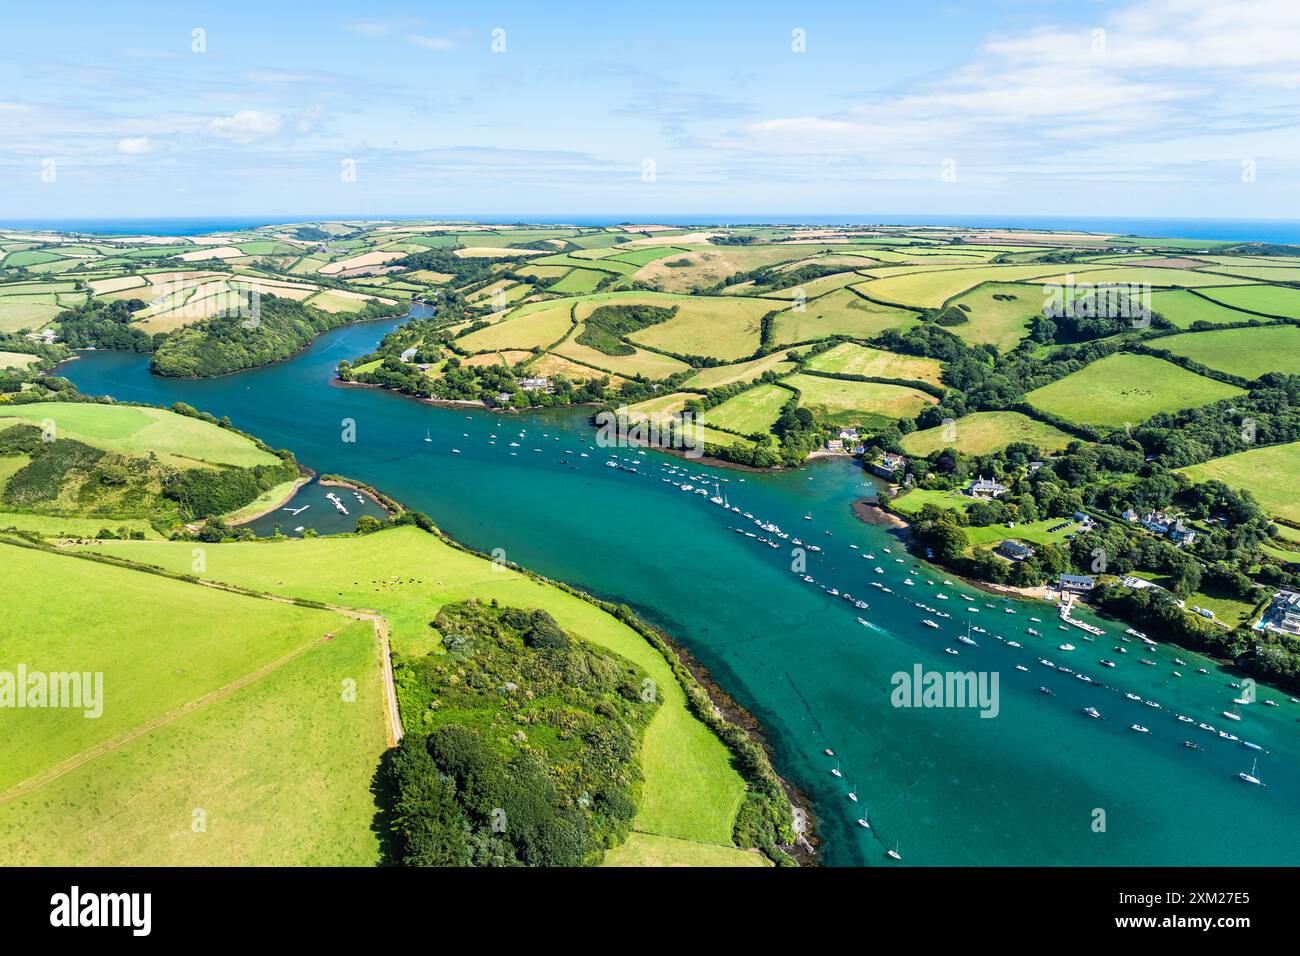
point(946, 785)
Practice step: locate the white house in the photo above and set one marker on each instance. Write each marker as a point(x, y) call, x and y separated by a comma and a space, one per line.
point(985, 487)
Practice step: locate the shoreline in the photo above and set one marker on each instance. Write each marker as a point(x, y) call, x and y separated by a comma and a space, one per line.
point(728, 709)
point(297, 485)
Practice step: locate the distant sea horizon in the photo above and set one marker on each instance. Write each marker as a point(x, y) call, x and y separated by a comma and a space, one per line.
point(1225, 230)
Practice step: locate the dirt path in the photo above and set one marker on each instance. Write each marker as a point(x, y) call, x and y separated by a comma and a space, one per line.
point(107, 746)
point(392, 717)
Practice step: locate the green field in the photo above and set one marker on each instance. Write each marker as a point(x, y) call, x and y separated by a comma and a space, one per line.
point(839, 402)
point(644, 849)
point(983, 433)
point(751, 411)
point(721, 375)
point(932, 288)
point(1267, 299)
point(579, 281)
point(1183, 308)
point(1031, 532)
point(20, 312)
point(649, 364)
point(705, 325)
point(66, 526)
point(1155, 276)
point(1000, 313)
point(280, 770)
point(131, 430)
point(691, 790)
point(918, 498)
point(534, 329)
point(849, 358)
point(843, 312)
point(1247, 352)
point(1124, 388)
point(177, 643)
point(1268, 473)
point(17, 359)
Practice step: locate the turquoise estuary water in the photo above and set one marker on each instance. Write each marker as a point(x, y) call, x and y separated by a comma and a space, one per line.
point(1027, 787)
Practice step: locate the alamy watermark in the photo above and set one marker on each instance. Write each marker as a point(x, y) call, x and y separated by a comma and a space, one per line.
point(1111, 300)
point(76, 690)
point(922, 688)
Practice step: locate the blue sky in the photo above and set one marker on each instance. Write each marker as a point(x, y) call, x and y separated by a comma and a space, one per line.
point(1149, 108)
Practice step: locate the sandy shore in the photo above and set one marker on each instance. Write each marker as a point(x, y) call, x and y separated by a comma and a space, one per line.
point(868, 512)
point(274, 506)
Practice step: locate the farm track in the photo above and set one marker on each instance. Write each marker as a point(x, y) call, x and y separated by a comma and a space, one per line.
point(392, 717)
point(72, 763)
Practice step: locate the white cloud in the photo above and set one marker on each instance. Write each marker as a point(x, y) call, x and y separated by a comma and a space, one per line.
point(370, 28)
point(440, 44)
point(246, 126)
point(135, 145)
point(1139, 84)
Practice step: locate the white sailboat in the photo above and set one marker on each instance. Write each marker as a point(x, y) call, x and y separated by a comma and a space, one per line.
point(893, 854)
point(1251, 777)
point(427, 436)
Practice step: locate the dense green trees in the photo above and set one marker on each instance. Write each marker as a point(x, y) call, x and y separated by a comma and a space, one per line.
point(522, 744)
point(606, 327)
point(279, 329)
point(105, 325)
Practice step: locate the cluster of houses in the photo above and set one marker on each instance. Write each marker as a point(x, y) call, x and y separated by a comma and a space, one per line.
point(849, 442)
point(1164, 525)
point(888, 466)
point(45, 336)
point(1282, 614)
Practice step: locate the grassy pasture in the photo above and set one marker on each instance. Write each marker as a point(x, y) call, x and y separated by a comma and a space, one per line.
point(1267, 299)
point(171, 643)
point(691, 791)
point(995, 319)
point(61, 526)
point(1247, 352)
point(281, 769)
point(16, 359)
point(711, 264)
point(839, 313)
point(660, 408)
point(751, 411)
point(579, 281)
point(645, 849)
point(18, 312)
point(1154, 276)
point(649, 364)
point(130, 430)
point(1183, 308)
point(552, 365)
point(1265, 273)
point(850, 358)
point(1269, 473)
point(982, 433)
point(932, 288)
point(721, 327)
point(838, 402)
point(534, 329)
point(726, 374)
point(1127, 388)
